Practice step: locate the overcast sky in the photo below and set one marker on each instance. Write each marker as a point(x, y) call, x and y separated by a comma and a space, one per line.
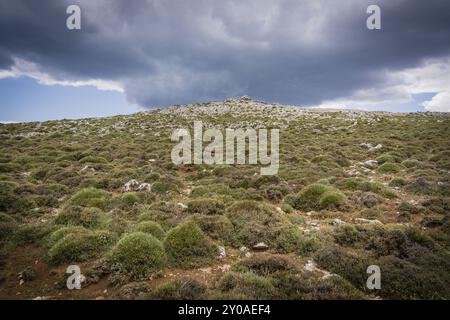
point(151, 53)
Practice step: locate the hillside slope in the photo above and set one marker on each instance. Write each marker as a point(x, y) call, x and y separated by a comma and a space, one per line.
point(354, 189)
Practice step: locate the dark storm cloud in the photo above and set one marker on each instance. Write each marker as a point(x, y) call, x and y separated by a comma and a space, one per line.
point(164, 52)
point(5, 60)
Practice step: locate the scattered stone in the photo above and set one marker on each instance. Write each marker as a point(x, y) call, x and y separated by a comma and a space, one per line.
point(362, 220)
point(261, 246)
point(337, 222)
point(370, 164)
point(222, 252)
point(130, 185)
point(182, 205)
point(365, 170)
point(378, 146)
point(313, 223)
point(371, 147)
point(245, 251)
point(145, 187)
point(311, 267)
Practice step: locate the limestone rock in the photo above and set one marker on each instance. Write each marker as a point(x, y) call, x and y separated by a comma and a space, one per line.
point(261, 246)
point(131, 185)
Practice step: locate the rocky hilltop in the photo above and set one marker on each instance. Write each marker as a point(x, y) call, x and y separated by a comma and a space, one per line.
point(248, 112)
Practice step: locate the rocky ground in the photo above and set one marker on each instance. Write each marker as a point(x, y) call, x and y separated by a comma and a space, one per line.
point(354, 189)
